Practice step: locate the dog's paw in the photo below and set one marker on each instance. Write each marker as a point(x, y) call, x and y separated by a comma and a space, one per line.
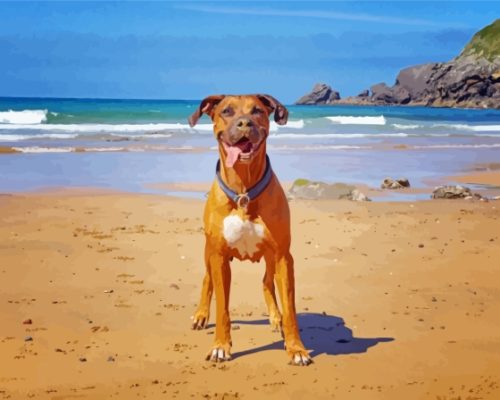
point(219, 354)
point(298, 354)
point(301, 359)
point(199, 320)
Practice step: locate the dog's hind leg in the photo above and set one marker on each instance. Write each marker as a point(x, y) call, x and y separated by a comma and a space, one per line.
point(286, 287)
point(270, 296)
point(200, 317)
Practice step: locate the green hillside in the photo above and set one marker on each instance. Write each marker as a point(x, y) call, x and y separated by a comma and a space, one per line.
point(485, 43)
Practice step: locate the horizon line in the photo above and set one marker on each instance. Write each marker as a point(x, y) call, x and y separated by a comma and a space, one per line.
point(93, 98)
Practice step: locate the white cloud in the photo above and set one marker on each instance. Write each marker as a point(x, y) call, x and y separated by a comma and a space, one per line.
point(308, 14)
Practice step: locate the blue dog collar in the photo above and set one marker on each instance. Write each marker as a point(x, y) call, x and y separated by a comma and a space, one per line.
point(242, 199)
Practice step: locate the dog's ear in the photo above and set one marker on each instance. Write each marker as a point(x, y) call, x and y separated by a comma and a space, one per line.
point(206, 106)
point(273, 105)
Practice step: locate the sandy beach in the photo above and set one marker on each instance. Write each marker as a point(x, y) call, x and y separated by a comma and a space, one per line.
point(395, 300)
point(381, 121)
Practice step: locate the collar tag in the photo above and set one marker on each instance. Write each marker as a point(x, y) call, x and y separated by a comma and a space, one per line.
point(243, 200)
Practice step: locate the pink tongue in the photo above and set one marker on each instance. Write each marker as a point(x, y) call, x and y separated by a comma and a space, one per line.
point(232, 155)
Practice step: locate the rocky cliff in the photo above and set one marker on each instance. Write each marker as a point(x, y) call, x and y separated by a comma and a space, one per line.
point(470, 80)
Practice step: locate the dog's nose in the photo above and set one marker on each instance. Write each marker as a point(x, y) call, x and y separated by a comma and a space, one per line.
point(244, 123)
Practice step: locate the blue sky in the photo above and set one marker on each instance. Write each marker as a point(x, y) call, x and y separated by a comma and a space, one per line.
point(188, 50)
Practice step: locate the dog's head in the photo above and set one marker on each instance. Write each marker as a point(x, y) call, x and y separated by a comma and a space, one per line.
point(241, 123)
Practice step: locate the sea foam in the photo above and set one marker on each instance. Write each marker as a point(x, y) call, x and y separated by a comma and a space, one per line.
point(273, 127)
point(475, 128)
point(364, 120)
point(458, 146)
point(407, 126)
point(336, 135)
point(126, 128)
point(88, 128)
point(39, 149)
point(318, 147)
point(17, 138)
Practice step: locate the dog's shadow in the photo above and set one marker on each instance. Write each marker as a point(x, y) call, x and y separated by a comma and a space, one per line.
point(321, 334)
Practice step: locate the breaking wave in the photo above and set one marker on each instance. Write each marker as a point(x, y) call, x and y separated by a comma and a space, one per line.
point(25, 117)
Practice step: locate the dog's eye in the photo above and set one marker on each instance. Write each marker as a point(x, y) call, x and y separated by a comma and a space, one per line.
point(257, 110)
point(227, 111)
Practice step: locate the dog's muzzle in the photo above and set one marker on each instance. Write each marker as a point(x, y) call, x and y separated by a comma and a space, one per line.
point(241, 141)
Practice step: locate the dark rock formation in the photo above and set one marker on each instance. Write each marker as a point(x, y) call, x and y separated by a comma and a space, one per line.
point(465, 81)
point(470, 80)
point(381, 93)
point(364, 93)
point(321, 94)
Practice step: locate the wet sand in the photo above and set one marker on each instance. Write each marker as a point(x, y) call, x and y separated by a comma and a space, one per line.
point(395, 301)
point(482, 178)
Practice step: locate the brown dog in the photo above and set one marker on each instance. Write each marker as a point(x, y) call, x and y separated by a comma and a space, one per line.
point(247, 217)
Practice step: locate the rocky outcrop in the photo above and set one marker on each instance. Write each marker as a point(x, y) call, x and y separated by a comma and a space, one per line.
point(470, 80)
point(310, 190)
point(390, 183)
point(455, 192)
point(356, 195)
point(320, 94)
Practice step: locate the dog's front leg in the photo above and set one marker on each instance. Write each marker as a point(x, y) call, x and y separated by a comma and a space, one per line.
point(200, 317)
point(220, 272)
point(286, 287)
point(270, 296)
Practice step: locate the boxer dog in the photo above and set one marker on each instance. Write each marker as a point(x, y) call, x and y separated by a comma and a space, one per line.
point(246, 216)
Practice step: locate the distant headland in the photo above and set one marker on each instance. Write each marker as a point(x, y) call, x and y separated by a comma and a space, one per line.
point(471, 80)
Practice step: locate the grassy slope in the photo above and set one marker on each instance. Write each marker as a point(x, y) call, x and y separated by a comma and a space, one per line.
point(485, 43)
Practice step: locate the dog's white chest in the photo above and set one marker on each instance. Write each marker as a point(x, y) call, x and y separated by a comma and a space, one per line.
point(243, 235)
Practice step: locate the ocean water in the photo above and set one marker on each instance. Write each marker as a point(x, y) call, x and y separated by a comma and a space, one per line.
point(130, 144)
